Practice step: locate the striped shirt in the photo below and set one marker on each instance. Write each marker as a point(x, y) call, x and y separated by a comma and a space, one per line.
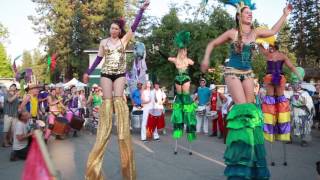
point(10, 108)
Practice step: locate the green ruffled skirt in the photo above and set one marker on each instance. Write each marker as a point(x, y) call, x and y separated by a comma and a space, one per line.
point(184, 114)
point(245, 153)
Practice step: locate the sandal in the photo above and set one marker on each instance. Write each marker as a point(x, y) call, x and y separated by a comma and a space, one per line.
point(6, 145)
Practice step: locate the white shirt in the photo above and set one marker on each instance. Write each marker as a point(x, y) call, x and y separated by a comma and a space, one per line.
point(20, 129)
point(288, 94)
point(226, 104)
point(147, 95)
point(159, 98)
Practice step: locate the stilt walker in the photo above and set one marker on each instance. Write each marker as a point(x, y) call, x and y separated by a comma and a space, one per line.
point(183, 107)
point(275, 106)
point(245, 152)
point(113, 75)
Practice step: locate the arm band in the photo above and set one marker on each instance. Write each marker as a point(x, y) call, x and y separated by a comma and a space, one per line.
point(165, 56)
point(94, 65)
point(137, 20)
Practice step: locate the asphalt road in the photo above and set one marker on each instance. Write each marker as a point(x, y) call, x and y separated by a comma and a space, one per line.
point(156, 161)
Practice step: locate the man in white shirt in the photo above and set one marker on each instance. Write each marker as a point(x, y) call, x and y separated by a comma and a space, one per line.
point(160, 97)
point(158, 108)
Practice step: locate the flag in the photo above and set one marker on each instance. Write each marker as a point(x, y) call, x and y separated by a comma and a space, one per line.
point(49, 63)
point(53, 62)
point(48, 78)
point(38, 165)
point(15, 67)
point(17, 57)
point(205, 1)
point(14, 64)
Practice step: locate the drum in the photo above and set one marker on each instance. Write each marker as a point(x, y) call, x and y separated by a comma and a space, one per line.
point(85, 112)
point(211, 114)
point(69, 116)
point(95, 112)
point(136, 119)
point(76, 122)
point(155, 120)
point(60, 126)
point(201, 110)
point(137, 112)
point(40, 124)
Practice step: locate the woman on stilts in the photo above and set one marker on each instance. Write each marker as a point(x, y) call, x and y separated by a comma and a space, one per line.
point(183, 106)
point(112, 82)
point(245, 152)
point(275, 106)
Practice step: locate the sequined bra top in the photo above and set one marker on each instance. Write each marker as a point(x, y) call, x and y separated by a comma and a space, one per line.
point(182, 71)
point(241, 60)
point(115, 60)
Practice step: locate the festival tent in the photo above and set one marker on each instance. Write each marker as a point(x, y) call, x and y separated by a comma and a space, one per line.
point(60, 84)
point(75, 82)
point(308, 87)
point(51, 85)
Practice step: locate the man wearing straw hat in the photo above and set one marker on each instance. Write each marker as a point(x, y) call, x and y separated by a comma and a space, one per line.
point(30, 100)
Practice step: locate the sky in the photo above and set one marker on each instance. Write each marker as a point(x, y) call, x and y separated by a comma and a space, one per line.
point(14, 15)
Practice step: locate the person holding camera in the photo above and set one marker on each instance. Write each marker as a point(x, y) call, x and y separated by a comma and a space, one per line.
point(11, 102)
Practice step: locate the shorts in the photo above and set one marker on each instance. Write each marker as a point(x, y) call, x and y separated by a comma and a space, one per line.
point(8, 123)
point(240, 74)
point(113, 77)
point(182, 78)
point(268, 80)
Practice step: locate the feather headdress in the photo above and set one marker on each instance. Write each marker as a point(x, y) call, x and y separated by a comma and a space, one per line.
point(182, 39)
point(239, 4)
point(268, 40)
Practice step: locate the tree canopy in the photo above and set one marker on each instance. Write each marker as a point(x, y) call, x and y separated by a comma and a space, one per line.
point(68, 28)
point(5, 65)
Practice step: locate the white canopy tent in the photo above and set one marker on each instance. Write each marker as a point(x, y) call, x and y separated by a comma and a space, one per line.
point(74, 82)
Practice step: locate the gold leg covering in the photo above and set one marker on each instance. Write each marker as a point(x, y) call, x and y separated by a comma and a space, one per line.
point(96, 155)
point(124, 137)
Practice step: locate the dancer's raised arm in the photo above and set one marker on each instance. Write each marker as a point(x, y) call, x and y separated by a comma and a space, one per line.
point(225, 37)
point(126, 38)
point(261, 33)
point(291, 67)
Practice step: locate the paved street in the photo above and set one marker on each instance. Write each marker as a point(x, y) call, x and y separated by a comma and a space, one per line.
point(156, 161)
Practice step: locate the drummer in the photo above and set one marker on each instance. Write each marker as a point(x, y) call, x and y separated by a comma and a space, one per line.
point(147, 97)
point(159, 100)
point(136, 97)
point(160, 97)
point(73, 104)
point(203, 97)
point(217, 99)
point(55, 110)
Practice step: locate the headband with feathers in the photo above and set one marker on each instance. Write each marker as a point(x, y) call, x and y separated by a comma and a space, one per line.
point(182, 39)
point(239, 4)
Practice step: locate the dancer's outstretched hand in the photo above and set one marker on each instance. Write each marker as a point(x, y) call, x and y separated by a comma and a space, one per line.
point(287, 10)
point(204, 66)
point(85, 78)
point(145, 4)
